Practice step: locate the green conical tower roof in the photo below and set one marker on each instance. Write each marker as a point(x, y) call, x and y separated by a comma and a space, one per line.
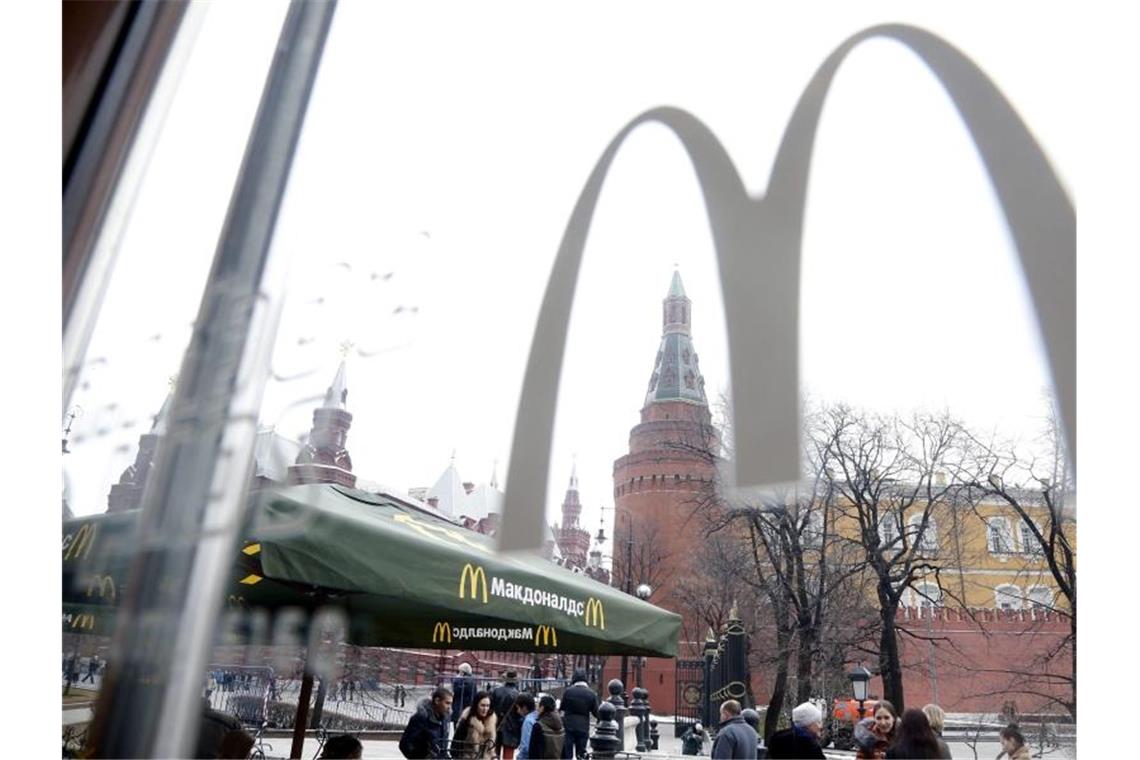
point(676, 373)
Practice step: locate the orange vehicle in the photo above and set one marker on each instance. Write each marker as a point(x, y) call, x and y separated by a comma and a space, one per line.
point(841, 724)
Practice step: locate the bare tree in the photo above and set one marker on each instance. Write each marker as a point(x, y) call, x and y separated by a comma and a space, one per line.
point(1038, 489)
point(889, 479)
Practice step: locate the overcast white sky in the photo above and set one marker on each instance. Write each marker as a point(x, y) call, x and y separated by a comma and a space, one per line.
point(447, 145)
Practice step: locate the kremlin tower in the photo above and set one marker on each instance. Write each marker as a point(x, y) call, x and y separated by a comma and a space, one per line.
point(667, 474)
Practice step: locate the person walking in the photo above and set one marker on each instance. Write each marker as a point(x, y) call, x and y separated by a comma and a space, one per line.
point(693, 740)
point(548, 736)
point(735, 739)
point(92, 668)
point(914, 738)
point(526, 712)
point(873, 735)
point(579, 702)
point(802, 739)
point(510, 727)
point(1013, 743)
point(937, 720)
point(475, 730)
point(463, 687)
point(426, 733)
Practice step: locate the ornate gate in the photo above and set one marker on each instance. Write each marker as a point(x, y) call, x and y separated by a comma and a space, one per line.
point(690, 691)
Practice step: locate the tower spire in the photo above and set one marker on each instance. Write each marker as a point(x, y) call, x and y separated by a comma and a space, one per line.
point(676, 374)
point(325, 459)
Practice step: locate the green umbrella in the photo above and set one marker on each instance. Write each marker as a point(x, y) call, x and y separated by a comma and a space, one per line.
point(402, 575)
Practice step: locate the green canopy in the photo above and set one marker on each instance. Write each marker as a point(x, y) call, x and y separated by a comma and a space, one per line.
point(403, 575)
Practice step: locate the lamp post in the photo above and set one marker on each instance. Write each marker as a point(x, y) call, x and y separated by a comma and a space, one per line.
point(628, 588)
point(644, 591)
point(860, 677)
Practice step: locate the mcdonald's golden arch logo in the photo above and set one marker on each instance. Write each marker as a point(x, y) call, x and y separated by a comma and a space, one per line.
point(79, 545)
point(470, 579)
point(595, 613)
point(441, 633)
point(547, 635)
point(83, 620)
point(104, 585)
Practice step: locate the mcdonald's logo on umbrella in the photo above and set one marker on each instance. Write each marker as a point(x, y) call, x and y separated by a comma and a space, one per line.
point(79, 545)
point(104, 584)
point(441, 633)
point(83, 620)
point(471, 578)
point(595, 613)
point(547, 634)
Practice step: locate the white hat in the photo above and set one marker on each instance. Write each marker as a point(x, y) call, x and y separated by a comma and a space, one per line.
point(465, 669)
point(806, 714)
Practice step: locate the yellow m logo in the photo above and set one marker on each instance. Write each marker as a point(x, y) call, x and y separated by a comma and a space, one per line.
point(471, 578)
point(79, 545)
point(595, 613)
point(104, 585)
point(441, 633)
point(547, 634)
point(84, 620)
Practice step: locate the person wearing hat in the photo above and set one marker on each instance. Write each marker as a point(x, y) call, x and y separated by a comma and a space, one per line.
point(802, 739)
point(579, 703)
point(463, 689)
point(693, 740)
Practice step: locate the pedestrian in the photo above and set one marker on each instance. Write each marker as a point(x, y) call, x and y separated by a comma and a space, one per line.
point(1013, 743)
point(937, 720)
point(502, 702)
point(92, 667)
point(693, 740)
point(548, 736)
point(463, 687)
point(525, 712)
point(426, 732)
point(802, 739)
point(735, 739)
point(579, 702)
point(914, 738)
point(476, 729)
point(352, 690)
point(752, 718)
point(342, 747)
point(873, 735)
point(403, 695)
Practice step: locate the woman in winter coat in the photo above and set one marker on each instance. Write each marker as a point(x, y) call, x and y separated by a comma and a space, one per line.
point(914, 738)
point(1013, 743)
point(874, 735)
point(937, 720)
point(475, 730)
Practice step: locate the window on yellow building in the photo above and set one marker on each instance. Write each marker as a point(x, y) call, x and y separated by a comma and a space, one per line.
point(1029, 542)
point(927, 540)
point(1040, 598)
point(889, 530)
point(927, 595)
point(998, 536)
point(1007, 597)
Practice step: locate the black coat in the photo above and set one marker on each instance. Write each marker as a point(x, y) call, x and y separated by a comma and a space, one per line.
point(426, 733)
point(463, 694)
point(791, 744)
point(578, 704)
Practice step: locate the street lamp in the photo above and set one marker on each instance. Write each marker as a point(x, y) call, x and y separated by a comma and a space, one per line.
point(860, 677)
point(644, 591)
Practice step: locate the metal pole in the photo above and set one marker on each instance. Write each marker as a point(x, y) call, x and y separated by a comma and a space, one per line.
point(195, 501)
point(628, 590)
point(302, 718)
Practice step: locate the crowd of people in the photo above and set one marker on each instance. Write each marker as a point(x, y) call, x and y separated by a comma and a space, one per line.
point(466, 722)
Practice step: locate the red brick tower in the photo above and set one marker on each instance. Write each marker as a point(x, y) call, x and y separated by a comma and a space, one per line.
point(663, 478)
point(573, 539)
point(324, 459)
